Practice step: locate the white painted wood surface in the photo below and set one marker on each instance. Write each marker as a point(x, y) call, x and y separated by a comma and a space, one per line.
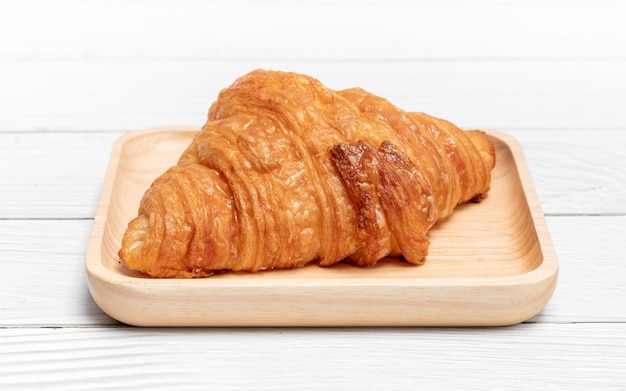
point(75, 75)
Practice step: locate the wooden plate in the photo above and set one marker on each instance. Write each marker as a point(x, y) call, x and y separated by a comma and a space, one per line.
point(491, 263)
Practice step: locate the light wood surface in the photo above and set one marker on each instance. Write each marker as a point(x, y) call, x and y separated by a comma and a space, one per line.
point(489, 264)
point(75, 76)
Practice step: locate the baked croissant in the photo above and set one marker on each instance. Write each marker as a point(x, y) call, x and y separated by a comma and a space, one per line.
point(286, 172)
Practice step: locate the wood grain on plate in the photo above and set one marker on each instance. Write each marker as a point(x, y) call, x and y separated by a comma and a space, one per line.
point(491, 263)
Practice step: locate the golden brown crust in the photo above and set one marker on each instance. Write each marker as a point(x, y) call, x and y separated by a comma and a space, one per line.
point(286, 171)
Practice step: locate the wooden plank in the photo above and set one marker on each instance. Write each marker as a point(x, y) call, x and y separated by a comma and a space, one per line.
point(122, 95)
point(591, 270)
point(580, 171)
point(60, 175)
point(45, 280)
point(555, 356)
point(313, 30)
point(53, 175)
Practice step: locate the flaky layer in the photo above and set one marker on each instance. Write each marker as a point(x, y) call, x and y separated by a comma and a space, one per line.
point(287, 171)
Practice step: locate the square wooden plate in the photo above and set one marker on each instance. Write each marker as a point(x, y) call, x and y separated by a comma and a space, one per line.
point(491, 263)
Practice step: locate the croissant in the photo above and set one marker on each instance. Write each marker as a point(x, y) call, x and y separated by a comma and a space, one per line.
point(286, 172)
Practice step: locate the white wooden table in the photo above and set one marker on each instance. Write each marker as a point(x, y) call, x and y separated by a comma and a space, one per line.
point(75, 76)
